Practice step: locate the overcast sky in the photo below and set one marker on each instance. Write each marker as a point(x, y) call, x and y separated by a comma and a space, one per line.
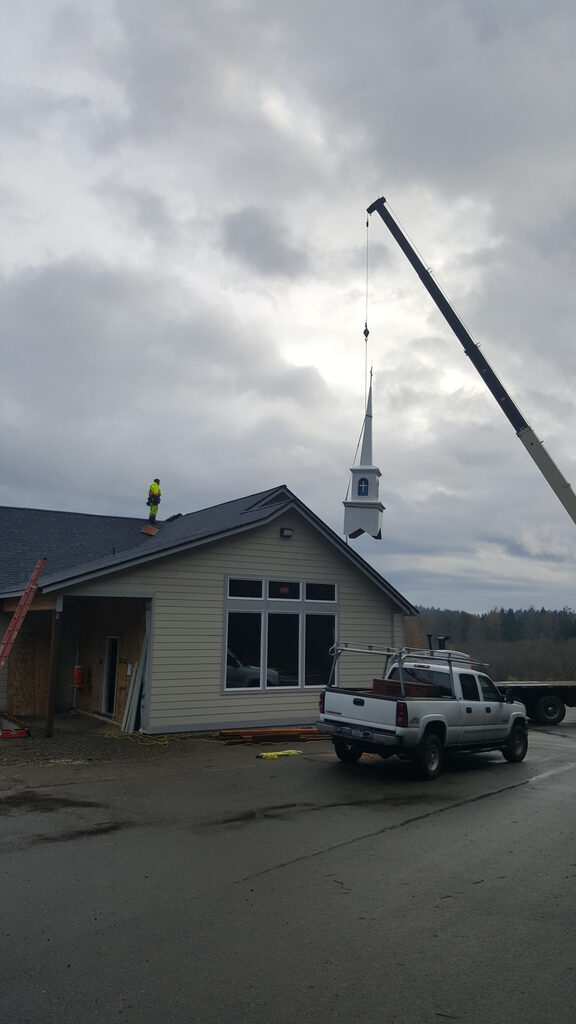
point(183, 186)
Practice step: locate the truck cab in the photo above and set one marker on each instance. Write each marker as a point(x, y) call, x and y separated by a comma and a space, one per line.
point(487, 712)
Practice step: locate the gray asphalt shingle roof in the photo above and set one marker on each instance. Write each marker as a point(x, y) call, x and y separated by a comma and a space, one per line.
point(70, 540)
point(63, 538)
point(77, 545)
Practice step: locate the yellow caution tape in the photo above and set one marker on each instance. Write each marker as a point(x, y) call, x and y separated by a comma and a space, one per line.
point(279, 753)
point(140, 738)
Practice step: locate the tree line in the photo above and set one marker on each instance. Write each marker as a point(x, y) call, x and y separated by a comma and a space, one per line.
point(518, 644)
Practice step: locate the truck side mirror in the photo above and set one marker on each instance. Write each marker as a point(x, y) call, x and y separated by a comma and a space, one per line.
point(507, 695)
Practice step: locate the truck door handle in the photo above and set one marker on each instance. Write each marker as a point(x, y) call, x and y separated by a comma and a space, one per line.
point(359, 701)
point(468, 711)
point(488, 711)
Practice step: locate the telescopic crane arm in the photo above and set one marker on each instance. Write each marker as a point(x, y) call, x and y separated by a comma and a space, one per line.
point(533, 446)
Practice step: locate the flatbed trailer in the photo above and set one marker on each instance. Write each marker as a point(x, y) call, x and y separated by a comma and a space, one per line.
point(545, 702)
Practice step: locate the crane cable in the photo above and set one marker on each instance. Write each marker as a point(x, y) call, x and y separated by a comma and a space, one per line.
point(366, 332)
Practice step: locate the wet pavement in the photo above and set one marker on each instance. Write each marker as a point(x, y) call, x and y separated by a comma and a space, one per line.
point(188, 880)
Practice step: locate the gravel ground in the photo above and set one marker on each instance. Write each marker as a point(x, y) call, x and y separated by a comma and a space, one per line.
point(80, 739)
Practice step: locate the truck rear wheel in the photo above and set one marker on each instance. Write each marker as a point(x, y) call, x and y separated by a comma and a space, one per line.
point(428, 760)
point(517, 745)
point(549, 710)
point(347, 752)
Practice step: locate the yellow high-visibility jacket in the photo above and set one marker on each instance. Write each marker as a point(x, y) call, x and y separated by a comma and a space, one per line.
point(154, 493)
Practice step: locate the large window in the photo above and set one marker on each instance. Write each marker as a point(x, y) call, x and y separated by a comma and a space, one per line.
point(319, 639)
point(279, 634)
point(284, 590)
point(245, 588)
point(320, 592)
point(284, 648)
point(243, 651)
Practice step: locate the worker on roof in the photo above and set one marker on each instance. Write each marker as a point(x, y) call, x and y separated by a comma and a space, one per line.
point(154, 499)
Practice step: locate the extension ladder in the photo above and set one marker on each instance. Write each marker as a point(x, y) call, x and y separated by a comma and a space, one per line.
point(20, 613)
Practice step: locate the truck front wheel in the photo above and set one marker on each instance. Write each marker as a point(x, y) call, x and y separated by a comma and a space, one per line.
point(517, 745)
point(349, 753)
point(549, 710)
point(428, 760)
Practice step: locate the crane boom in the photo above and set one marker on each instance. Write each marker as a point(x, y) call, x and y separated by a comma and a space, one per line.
point(532, 444)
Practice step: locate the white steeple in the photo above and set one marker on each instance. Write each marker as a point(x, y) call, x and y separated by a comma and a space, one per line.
point(363, 512)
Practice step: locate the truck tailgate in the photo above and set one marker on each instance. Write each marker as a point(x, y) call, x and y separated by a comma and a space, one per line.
point(360, 707)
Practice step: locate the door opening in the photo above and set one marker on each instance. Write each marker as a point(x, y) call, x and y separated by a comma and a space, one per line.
point(110, 673)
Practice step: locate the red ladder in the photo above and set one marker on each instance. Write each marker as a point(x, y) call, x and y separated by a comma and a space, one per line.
point(20, 613)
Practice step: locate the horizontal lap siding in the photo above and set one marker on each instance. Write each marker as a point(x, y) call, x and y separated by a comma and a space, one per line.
point(188, 622)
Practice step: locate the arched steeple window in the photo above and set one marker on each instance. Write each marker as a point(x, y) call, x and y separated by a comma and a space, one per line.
point(363, 487)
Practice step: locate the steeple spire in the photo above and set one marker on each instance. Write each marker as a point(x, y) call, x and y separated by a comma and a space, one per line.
point(363, 512)
point(366, 453)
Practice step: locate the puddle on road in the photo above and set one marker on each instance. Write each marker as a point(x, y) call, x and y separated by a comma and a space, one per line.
point(104, 829)
point(33, 802)
point(287, 811)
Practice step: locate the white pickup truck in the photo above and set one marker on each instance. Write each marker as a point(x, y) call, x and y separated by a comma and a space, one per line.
point(427, 703)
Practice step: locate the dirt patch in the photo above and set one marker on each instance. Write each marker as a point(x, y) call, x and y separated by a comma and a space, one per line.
point(82, 740)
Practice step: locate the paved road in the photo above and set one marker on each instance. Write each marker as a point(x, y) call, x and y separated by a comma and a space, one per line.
point(221, 888)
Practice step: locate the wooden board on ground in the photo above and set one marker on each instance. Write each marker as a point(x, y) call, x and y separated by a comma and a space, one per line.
point(271, 735)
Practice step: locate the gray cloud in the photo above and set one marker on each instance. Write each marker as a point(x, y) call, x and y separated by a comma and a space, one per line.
point(123, 372)
point(182, 286)
point(143, 209)
point(253, 236)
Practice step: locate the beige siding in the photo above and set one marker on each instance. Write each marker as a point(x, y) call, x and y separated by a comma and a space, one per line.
point(189, 599)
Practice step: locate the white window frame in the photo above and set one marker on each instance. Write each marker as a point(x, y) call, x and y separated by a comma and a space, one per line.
point(266, 606)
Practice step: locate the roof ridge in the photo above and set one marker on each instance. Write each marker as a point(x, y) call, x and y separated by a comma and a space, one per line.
point(258, 495)
point(272, 497)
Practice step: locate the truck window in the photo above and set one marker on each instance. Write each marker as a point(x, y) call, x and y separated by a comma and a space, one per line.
point(489, 690)
point(424, 675)
point(469, 686)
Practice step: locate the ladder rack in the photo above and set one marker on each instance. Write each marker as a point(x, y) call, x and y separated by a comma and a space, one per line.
point(403, 657)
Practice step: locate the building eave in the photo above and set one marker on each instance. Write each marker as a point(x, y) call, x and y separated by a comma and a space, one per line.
point(71, 578)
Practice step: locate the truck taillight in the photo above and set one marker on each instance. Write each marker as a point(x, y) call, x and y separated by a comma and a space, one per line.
point(322, 701)
point(401, 715)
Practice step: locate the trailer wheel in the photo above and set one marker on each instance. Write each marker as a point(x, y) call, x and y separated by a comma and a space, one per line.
point(349, 753)
point(428, 760)
point(549, 710)
point(517, 745)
